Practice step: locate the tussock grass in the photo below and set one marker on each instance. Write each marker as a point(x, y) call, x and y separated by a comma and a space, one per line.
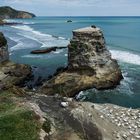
point(17, 122)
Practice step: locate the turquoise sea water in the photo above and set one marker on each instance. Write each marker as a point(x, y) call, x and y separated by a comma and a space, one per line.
point(122, 36)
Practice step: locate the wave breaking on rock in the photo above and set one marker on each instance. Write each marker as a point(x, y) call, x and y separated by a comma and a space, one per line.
point(89, 65)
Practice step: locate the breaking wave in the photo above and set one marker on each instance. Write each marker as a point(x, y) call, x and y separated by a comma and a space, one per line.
point(45, 39)
point(126, 57)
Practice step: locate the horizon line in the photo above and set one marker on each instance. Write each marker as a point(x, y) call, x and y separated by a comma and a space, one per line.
point(81, 16)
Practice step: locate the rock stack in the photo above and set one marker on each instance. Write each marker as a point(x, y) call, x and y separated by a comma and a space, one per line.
point(89, 65)
point(87, 49)
point(4, 55)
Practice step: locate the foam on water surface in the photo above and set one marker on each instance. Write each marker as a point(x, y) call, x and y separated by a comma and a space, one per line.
point(45, 39)
point(126, 57)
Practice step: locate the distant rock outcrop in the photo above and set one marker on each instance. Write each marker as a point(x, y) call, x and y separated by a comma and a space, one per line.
point(7, 12)
point(89, 65)
point(69, 21)
point(47, 50)
point(4, 55)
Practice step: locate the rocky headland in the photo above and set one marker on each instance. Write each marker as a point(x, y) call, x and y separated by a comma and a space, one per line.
point(89, 65)
point(42, 117)
point(11, 74)
point(7, 12)
point(4, 54)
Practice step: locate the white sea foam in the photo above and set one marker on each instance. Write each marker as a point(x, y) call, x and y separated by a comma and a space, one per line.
point(125, 56)
point(20, 44)
point(126, 84)
point(18, 21)
point(45, 39)
point(58, 51)
point(32, 56)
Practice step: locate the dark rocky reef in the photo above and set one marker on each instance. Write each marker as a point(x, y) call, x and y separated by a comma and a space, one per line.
point(89, 65)
point(7, 12)
point(69, 21)
point(47, 50)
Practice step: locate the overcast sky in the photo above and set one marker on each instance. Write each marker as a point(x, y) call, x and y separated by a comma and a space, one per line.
point(77, 7)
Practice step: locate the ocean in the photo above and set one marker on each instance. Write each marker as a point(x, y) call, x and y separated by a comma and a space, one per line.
point(122, 36)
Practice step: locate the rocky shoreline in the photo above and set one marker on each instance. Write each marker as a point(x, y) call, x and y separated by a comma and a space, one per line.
point(72, 120)
point(7, 12)
point(62, 118)
point(11, 74)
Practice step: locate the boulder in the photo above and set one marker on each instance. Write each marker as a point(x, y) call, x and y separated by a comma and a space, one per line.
point(89, 65)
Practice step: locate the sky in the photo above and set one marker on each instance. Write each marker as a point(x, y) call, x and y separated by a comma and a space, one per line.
point(77, 7)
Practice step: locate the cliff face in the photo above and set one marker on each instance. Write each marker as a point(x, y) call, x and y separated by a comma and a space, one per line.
point(4, 55)
point(89, 65)
point(8, 12)
point(87, 50)
point(11, 74)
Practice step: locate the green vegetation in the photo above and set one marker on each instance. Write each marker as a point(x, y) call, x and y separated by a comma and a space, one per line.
point(8, 12)
point(6, 104)
point(16, 121)
point(47, 126)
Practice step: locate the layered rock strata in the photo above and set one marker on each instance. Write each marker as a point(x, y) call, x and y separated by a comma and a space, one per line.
point(89, 65)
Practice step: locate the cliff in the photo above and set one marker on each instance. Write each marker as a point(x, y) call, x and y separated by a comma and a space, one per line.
point(11, 74)
point(7, 12)
point(89, 65)
point(4, 55)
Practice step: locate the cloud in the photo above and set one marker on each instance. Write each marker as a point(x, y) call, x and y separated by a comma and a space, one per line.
point(77, 7)
point(76, 3)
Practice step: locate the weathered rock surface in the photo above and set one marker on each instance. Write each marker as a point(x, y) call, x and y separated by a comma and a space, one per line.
point(86, 121)
point(7, 12)
point(89, 65)
point(11, 74)
point(4, 55)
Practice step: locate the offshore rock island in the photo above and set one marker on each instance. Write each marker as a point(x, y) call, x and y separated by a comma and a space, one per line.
point(89, 66)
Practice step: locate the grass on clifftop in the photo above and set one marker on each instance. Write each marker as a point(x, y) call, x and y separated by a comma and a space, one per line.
point(16, 121)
